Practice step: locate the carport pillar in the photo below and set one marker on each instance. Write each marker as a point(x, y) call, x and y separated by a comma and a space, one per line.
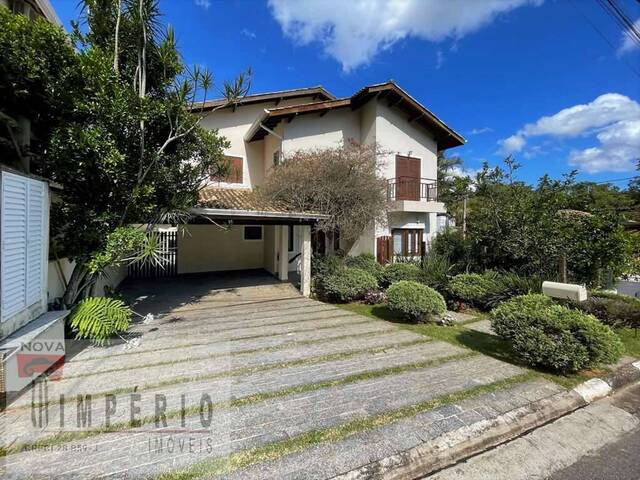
point(283, 253)
point(305, 260)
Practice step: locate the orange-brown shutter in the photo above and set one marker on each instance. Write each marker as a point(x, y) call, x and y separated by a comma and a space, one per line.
point(234, 174)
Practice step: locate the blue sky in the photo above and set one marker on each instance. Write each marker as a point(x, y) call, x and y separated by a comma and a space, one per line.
point(491, 69)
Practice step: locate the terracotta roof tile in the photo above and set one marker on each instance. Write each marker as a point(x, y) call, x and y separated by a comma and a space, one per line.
point(240, 199)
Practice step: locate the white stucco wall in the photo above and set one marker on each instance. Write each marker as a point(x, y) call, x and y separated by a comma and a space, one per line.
point(313, 131)
point(59, 272)
point(209, 248)
point(270, 263)
point(399, 137)
point(233, 126)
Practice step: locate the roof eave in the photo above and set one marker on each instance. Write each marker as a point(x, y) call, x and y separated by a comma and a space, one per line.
point(226, 212)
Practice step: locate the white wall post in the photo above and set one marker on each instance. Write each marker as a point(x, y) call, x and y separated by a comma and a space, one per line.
point(305, 260)
point(283, 253)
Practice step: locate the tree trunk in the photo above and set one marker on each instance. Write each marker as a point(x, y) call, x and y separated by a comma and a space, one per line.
point(80, 284)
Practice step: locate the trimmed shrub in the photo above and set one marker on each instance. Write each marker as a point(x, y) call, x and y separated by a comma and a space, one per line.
point(613, 309)
point(553, 336)
point(322, 265)
point(509, 285)
point(414, 300)
point(487, 290)
point(366, 262)
point(512, 316)
point(348, 284)
point(395, 272)
point(472, 288)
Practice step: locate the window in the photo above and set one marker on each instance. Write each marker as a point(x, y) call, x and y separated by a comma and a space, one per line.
point(253, 232)
point(277, 157)
point(407, 242)
point(290, 238)
point(234, 170)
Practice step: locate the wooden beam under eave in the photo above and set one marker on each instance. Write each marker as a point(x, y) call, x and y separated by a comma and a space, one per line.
point(291, 117)
point(416, 117)
point(323, 113)
point(277, 102)
point(396, 103)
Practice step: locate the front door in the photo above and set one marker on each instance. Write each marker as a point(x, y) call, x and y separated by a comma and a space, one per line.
point(407, 178)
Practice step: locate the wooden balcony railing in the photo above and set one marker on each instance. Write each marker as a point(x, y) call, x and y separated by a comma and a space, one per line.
point(410, 188)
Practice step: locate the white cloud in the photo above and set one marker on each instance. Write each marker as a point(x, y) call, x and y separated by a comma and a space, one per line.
point(627, 43)
point(439, 59)
point(576, 120)
point(354, 32)
point(618, 151)
point(203, 3)
point(478, 131)
point(511, 144)
point(465, 172)
point(614, 119)
point(248, 33)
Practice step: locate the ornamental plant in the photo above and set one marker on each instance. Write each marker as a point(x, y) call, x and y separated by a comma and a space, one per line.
point(414, 301)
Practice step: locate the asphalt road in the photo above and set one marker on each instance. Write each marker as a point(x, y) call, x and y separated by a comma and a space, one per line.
point(598, 442)
point(617, 461)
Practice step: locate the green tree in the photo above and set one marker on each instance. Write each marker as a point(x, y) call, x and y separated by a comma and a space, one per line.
point(518, 227)
point(128, 147)
point(38, 72)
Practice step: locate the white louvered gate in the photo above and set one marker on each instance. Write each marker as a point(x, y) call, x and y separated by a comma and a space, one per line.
point(24, 211)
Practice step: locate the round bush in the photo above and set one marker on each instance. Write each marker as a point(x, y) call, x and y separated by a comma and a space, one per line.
point(395, 272)
point(472, 288)
point(414, 300)
point(366, 262)
point(555, 337)
point(512, 316)
point(348, 284)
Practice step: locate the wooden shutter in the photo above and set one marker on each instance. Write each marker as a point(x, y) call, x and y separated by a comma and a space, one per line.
point(407, 178)
point(234, 175)
point(24, 207)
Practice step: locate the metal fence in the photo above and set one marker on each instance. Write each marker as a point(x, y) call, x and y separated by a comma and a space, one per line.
point(167, 260)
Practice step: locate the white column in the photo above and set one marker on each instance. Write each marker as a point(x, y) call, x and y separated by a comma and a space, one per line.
point(305, 260)
point(283, 253)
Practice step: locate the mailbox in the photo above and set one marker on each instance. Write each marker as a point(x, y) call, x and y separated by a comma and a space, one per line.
point(569, 291)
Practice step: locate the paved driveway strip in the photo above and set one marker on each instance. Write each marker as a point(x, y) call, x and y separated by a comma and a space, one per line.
point(251, 375)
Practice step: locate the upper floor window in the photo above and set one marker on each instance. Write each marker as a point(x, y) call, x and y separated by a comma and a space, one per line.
point(277, 158)
point(234, 170)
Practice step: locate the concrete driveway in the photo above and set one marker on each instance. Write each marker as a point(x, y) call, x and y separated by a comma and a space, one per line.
point(241, 377)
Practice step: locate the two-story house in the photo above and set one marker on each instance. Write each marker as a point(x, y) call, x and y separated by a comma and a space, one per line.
point(262, 129)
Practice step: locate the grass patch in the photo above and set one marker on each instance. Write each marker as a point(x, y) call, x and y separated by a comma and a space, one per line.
point(274, 348)
point(239, 402)
point(242, 371)
point(272, 451)
point(461, 336)
point(236, 339)
point(631, 340)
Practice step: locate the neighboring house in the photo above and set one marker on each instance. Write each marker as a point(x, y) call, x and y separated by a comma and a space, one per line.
point(265, 127)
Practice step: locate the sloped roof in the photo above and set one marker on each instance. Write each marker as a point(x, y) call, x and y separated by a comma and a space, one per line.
point(395, 96)
point(238, 199)
point(318, 92)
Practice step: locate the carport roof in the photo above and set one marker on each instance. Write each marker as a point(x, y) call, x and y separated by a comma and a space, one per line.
point(246, 204)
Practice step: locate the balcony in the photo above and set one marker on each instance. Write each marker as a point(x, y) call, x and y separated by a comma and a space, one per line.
point(410, 194)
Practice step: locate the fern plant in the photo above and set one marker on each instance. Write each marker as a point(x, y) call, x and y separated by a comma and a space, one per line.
point(99, 318)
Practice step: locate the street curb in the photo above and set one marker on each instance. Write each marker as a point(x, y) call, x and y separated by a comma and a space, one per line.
point(458, 445)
